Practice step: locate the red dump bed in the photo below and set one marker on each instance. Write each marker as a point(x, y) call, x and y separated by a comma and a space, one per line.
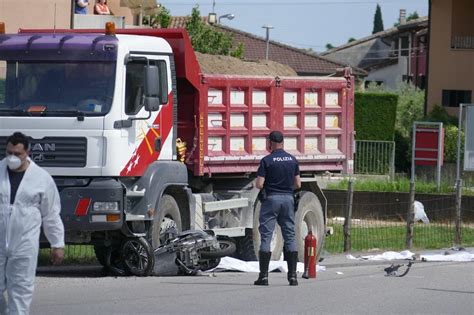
point(225, 119)
point(236, 113)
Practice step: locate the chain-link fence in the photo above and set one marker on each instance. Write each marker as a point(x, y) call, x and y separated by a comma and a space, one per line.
point(379, 221)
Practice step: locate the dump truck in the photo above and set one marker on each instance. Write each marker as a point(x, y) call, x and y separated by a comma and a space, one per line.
point(137, 138)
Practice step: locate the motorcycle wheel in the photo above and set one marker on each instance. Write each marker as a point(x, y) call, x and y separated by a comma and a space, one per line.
point(138, 256)
point(226, 248)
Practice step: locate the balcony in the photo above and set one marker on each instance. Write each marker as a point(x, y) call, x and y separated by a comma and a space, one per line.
point(462, 42)
point(89, 21)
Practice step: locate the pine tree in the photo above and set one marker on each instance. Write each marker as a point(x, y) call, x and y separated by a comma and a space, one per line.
point(378, 22)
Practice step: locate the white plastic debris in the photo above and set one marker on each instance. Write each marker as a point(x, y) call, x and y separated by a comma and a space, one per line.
point(406, 254)
point(233, 264)
point(462, 256)
point(420, 213)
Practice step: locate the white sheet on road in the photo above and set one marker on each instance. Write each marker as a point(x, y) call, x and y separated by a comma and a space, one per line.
point(461, 256)
point(406, 254)
point(233, 264)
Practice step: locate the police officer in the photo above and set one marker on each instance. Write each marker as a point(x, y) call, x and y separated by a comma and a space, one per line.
point(278, 175)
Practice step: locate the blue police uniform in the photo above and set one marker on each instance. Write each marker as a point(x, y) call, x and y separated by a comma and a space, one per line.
point(279, 170)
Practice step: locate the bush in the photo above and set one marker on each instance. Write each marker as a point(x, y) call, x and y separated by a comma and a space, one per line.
point(375, 115)
point(402, 153)
point(439, 114)
point(411, 102)
point(451, 143)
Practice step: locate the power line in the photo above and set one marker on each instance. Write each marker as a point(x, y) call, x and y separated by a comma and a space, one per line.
point(298, 3)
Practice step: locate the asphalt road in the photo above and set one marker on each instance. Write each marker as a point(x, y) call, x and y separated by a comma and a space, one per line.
point(354, 288)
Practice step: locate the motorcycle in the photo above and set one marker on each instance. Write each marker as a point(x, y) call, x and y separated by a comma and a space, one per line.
point(190, 252)
point(180, 253)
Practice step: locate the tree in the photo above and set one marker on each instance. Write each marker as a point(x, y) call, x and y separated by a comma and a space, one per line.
point(352, 39)
point(412, 16)
point(207, 40)
point(161, 20)
point(329, 46)
point(378, 22)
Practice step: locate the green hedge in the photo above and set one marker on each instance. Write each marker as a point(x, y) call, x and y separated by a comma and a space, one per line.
point(375, 115)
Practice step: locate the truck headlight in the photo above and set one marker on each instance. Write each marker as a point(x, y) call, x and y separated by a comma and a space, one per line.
point(106, 206)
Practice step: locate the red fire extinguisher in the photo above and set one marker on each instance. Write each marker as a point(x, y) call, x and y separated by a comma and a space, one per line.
point(310, 256)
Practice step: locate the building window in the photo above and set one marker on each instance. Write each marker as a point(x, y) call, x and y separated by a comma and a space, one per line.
point(452, 98)
point(462, 27)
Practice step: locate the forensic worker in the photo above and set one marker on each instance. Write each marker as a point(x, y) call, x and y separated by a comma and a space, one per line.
point(28, 198)
point(278, 175)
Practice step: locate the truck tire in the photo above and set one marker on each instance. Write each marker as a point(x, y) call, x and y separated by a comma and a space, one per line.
point(245, 249)
point(309, 216)
point(168, 214)
point(101, 254)
point(276, 246)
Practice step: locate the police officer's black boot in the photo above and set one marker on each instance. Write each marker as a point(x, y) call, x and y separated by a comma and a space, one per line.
point(264, 261)
point(292, 260)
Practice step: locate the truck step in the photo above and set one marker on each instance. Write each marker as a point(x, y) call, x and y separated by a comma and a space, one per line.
point(134, 193)
point(212, 206)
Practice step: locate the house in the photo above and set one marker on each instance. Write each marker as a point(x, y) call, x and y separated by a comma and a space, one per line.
point(396, 54)
point(305, 63)
point(60, 14)
point(451, 54)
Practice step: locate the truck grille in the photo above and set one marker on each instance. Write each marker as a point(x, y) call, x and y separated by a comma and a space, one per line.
point(55, 151)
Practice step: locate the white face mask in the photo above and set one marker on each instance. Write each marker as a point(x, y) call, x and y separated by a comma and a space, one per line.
point(13, 162)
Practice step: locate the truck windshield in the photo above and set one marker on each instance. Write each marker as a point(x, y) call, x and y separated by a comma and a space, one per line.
point(56, 88)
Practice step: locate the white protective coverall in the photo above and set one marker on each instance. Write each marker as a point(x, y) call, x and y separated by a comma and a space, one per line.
point(37, 201)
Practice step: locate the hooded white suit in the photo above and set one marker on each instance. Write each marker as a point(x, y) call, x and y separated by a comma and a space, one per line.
point(36, 202)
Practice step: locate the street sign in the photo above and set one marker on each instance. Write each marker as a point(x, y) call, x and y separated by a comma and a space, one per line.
point(427, 147)
point(428, 143)
point(469, 140)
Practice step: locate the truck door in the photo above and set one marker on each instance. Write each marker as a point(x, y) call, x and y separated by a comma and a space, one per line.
point(150, 136)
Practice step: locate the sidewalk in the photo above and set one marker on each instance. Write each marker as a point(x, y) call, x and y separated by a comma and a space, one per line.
point(341, 260)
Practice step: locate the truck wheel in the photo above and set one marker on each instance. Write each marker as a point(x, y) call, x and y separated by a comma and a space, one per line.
point(245, 248)
point(168, 215)
point(309, 216)
point(276, 245)
point(115, 263)
point(101, 254)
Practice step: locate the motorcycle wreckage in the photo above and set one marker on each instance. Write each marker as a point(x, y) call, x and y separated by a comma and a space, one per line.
point(180, 253)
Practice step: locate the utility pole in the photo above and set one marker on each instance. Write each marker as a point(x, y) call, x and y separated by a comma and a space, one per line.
point(268, 28)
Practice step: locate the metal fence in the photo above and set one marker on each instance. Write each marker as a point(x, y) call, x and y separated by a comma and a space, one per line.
point(375, 157)
point(382, 225)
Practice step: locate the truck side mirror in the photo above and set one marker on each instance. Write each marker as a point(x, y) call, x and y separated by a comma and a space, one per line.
point(156, 88)
point(152, 90)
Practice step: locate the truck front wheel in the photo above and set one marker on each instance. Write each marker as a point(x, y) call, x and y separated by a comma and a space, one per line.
point(309, 216)
point(276, 245)
point(168, 214)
